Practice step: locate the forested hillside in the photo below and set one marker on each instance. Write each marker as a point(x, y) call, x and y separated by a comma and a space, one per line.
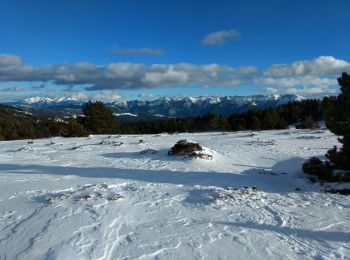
point(98, 119)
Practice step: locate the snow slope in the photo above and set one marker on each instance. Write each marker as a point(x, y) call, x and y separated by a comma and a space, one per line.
point(110, 198)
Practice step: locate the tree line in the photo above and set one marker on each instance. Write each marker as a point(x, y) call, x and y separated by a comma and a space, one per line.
point(98, 119)
point(18, 124)
point(304, 114)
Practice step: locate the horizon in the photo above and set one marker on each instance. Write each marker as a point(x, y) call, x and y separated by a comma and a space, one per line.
point(35, 99)
point(137, 50)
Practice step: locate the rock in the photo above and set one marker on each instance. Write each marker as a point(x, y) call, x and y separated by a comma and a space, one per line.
point(185, 147)
point(190, 149)
point(87, 196)
point(104, 142)
point(116, 197)
point(201, 155)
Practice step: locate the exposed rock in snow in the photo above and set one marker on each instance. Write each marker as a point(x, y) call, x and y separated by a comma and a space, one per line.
point(190, 149)
point(185, 147)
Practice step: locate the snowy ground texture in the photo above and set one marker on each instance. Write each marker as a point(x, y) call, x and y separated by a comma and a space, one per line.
point(110, 198)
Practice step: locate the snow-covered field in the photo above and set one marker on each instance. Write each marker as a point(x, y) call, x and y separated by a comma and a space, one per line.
point(103, 198)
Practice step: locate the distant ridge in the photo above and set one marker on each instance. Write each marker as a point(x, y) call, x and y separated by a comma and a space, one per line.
point(159, 108)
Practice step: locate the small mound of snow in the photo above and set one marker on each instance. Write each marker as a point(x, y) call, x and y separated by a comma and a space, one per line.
point(201, 155)
point(233, 195)
point(89, 192)
point(105, 142)
point(25, 149)
point(184, 141)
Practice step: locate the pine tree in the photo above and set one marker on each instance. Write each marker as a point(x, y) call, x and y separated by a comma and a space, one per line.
point(337, 118)
point(336, 112)
point(74, 128)
point(99, 119)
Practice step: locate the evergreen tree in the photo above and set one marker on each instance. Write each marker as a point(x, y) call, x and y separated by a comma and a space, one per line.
point(99, 119)
point(337, 118)
point(75, 129)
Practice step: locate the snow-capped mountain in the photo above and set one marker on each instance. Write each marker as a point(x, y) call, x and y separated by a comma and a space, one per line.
point(163, 107)
point(190, 106)
point(51, 102)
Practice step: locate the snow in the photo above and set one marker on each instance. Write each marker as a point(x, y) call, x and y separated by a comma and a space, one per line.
point(124, 114)
point(89, 198)
point(38, 99)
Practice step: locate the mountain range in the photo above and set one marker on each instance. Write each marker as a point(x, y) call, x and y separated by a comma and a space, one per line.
point(166, 107)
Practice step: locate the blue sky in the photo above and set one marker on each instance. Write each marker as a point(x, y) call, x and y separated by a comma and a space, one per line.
point(147, 49)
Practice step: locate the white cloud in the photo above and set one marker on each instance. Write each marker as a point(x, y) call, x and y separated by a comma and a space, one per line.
point(320, 66)
point(296, 81)
point(310, 74)
point(166, 75)
point(269, 90)
point(9, 60)
point(311, 91)
point(305, 91)
point(107, 96)
point(220, 37)
point(140, 51)
point(76, 95)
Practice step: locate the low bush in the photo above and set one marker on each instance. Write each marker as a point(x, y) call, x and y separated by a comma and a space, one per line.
point(316, 167)
point(325, 171)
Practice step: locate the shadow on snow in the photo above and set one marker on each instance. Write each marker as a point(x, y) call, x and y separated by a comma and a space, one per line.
point(320, 235)
point(249, 177)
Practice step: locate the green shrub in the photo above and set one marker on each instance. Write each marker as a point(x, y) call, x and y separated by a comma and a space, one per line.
point(316, 167)
point(325, 171)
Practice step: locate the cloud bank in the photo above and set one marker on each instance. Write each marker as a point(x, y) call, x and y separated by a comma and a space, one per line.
point(320, 72)
point(123, 75)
